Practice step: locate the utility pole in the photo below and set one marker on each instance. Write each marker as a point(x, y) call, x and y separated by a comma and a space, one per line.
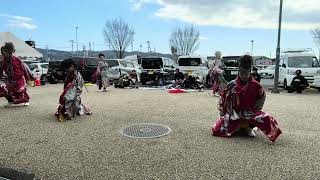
point(149, 48)
point(252, 41)
point(276, 76)
point(84, 51)
point(77, 40)
point(72, 42)
point(47, 52)
point(89, 53)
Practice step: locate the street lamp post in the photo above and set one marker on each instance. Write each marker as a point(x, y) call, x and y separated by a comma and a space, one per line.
point(77, 40)
point(72, 42)
point(276, 76)
point(252, 41)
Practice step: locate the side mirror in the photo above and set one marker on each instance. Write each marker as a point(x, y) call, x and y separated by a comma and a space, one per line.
point(284, 66)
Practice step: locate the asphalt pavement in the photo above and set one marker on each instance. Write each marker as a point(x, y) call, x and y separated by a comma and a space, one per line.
point(91, 147)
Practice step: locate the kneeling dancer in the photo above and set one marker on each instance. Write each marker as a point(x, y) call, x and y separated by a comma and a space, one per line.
point(70, 104)
point(241, 104)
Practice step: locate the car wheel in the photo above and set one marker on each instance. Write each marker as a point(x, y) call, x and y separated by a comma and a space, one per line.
point(285, 84)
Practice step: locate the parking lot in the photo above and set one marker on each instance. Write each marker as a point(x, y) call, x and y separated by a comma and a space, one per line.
point(91, 147)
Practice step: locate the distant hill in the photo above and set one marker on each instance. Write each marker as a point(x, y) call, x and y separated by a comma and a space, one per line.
point(59, 55)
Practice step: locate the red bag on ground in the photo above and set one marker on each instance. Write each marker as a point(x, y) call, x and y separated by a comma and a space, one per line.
point(176, 91)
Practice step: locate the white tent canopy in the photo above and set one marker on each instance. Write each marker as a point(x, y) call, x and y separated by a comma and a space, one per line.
point(22, 49)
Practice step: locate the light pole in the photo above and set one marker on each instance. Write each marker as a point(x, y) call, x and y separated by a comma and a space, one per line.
point(72, 42)
point(77, 40)
point(276, 76)
point(148, 42)
point(252, 41)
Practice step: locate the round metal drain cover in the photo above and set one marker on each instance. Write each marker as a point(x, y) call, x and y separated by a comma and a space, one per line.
point(145, 131)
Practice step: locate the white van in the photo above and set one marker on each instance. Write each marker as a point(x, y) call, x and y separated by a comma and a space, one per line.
point(293, 60)
point(193, 65)
point(133, 58)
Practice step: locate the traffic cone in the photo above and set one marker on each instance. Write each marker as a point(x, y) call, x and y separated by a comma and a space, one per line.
point(37, 82)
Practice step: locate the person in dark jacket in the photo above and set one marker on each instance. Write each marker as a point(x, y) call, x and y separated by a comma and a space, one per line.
point(178, 78)
point(255, 74)
point(299, 83)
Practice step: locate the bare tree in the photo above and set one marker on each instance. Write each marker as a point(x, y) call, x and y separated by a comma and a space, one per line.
point(316, 35)
point(185, 41)
point(118, 35)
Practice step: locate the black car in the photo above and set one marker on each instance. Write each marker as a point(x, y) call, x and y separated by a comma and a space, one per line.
point(231, 67)
point(157, 69)
point(55, 72)
point(86, 67)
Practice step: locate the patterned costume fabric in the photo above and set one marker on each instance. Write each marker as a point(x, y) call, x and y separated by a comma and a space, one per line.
point(243, 103)
point(14, 88)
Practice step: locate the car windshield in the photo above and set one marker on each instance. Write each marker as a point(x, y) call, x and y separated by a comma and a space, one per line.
point(152, 63)
point(270, 67)
point(230, 62)
point(46, 66)
point(123, 63)
point(303, 62)
point(130, 64)
point(189, 61)
point(113, 63)
point(32, 66)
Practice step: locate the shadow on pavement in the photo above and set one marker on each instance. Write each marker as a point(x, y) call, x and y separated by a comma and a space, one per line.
point(11, 174)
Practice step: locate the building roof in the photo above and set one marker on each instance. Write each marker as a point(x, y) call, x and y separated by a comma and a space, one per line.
point(22, 49)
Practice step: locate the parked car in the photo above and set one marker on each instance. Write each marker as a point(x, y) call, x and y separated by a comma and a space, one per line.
point(261, 67)
point(55, 72)
point(268, 72)
point(86, 66)
point(130, 66)
point(299, 59)
point(157, 69)
point(120, 67)
point(231, 68)
point(39, 70)
point(194, 66)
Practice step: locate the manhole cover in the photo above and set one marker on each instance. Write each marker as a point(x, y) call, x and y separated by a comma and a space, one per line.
point(145, 131)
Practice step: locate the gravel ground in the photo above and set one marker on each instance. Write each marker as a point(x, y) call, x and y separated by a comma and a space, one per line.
point(91, 147)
